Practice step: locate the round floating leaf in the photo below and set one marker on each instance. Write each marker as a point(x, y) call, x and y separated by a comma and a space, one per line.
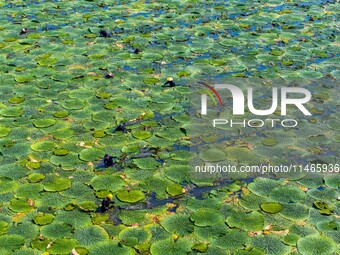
point(170, 247)
point(73, 104)
point(328, 226)
point(271, 207)
point(21, 205)
point(44, 123)
point(11, 242)
point(60, 114)
point(82, 250)
point(7, 185)
point(61, 152)
point(57, 184)
point(4, 131)
point(62, 246)
point(107, 182)
point(252, 201)
point(25, 229)
point(332, 180)
point(56, 230)
point(3, 227)
point(111, 247)
point(91, 154)
point(62, 133)
point(271, 245)
point(268, 141)
point(146, 163)
point(213, 155)
point(76, 218)
point(11, 111)
point(43, 219)
point(287, 194)
point(131, 196)
point(295, 211)
point(232, 240)
point(16, 100)
point(178, 224)
point(253, 221)
point(35, 177)
point(152, 56)
point(178, 173)
point(333, 124)
point(207, 217)
point(91, 235)
point(316, 245)
point(174, 189)
point(68, 160)
point(134, 236)
point(43, 146)
point(262, 186)
point(142, 134)
point(87, 206)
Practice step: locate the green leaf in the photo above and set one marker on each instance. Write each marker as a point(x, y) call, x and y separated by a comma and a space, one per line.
point(131, 196)
point(107, 182)
point(207, 217)
point(170, 247)
point(62, 246)
point(87, 206)
point(91, 235)
point(43, 219)
point(179, 224)
point(253, 221)
point(271, 207)
point(4, 131)
point(316, 245)
point(139, 235)
point(56, 230)
point(43, 146)
point(44, 123)
point(91, 154)
point(11, 242)
point(57, 184)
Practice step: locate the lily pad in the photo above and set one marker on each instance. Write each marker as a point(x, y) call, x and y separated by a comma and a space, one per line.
point(16, 100)
point(62, 246)
point(316, 245)
point(21, 205)
point(170, 247)
point(207, 217)
point(131, 196)
point(44, 123)
point(56, 230)
point(142, 134)
point(4, 131)
point(91, 154)
point(253, 221)
point(134, 236)
point(61, 152)
point(174, 189)
point(269, 141)
point(107, 182)
point(91, 235)
point(179, 224)
point(11, 242)
point(213, 155)
point(271, 207)
point(43, 146)
point(87, 206)
point(232, 240)
point(35, 177)
point(56, 183)
point(43, 219)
